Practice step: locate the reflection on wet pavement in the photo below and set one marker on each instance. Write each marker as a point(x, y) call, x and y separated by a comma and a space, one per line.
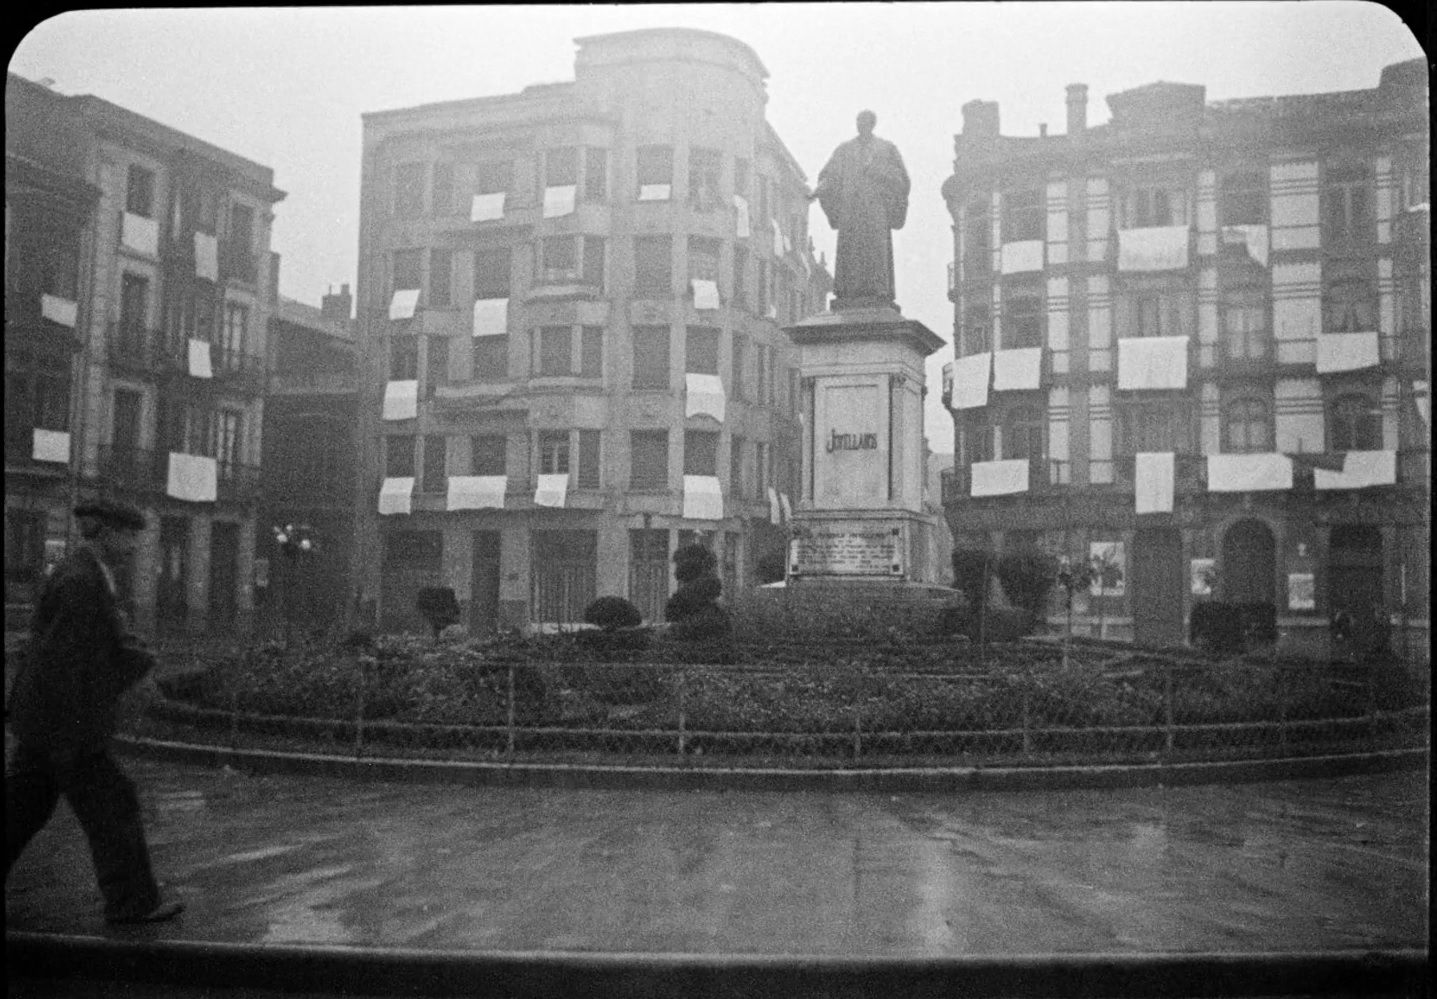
point(1302, 865)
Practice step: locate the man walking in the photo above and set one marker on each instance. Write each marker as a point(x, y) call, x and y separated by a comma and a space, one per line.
point(80, 659)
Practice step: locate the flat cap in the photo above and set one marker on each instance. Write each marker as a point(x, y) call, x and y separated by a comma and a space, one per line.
point(112, 512)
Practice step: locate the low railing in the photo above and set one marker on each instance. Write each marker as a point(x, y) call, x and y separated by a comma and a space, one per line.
point(133, 469)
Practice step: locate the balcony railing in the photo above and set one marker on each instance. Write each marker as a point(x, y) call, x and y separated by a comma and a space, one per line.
point(133, 347)
point(1189, 473)
point(133, 469)
point(238, 263)
point(315, 382)
point(1045, 477)
point(238, 482)
point(241, 368)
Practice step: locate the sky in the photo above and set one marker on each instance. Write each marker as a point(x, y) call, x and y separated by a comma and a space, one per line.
point(286, 87)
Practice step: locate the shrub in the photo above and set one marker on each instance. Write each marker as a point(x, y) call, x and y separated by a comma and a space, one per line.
point(615, 642)
point(1002, 624)
point(611, 613)
point(771, 568)
point(436, 604)
point(709, 621)
point(972, 568)
point(1027, 576)
point(1217, 626)
point(692, 610)
point(693, 561)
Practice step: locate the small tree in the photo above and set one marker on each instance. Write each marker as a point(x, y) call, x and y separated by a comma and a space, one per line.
point(436, 604)
point(693, 609)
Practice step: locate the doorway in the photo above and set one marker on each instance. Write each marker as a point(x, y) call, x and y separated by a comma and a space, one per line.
point(1249, 563)
point(484, 584)
point(1157, 586)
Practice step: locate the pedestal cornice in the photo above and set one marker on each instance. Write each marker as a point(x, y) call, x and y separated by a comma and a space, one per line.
point(859, 324)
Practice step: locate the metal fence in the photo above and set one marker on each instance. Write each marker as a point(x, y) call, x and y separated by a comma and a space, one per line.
point(447, 702)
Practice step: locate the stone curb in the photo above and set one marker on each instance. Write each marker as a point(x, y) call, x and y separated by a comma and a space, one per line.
point(577, 776)
point(372, 971)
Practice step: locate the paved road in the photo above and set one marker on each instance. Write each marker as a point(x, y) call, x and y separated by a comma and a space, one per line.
point(1292, 866)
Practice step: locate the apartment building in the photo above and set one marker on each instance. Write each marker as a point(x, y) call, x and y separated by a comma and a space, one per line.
point(569, 303)
point(1195, 341)
point(145, 378)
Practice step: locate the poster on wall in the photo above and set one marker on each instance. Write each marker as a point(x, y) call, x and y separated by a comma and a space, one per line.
point(1203, 573)
point(1301, 591)
point(1108, 560)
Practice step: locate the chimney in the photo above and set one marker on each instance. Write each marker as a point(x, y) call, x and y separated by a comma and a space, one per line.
point(337, 307)
point(980, 120)
point(1077, 109)
point(1043, 130)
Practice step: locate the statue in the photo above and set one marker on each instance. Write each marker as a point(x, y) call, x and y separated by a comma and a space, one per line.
point(864, 193)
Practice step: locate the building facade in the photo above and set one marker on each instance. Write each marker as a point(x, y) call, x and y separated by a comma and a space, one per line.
point(1194, 342)
point(163, 288)
point(570, 303)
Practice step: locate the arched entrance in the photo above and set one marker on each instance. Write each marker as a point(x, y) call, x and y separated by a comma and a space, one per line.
point(1249, 563)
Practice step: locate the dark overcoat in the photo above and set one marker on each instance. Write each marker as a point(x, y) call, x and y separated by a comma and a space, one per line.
point(80, 659)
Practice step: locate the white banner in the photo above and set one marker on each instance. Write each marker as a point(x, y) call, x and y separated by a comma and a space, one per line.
point(200, 366)
point(703, 498)
point(401, 400)
point(193, 478)
point(396, 495)
point(491, 316)
point(140, 234)
point(487, 207)
point(58, 310)
point(553, 490)
point(402, 305)
point(559, 201)
point(51, 445)
point(476, 492)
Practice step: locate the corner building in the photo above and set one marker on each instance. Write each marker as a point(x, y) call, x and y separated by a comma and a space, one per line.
point(569, 302)
point(1197, 339)
point(138, 282)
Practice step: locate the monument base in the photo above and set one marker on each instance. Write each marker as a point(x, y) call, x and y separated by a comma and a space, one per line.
point(883, 547)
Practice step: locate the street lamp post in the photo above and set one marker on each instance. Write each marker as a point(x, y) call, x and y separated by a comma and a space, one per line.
point(296, 543)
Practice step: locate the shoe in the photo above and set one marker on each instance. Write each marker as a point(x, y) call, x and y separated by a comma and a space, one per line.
point(160, 913)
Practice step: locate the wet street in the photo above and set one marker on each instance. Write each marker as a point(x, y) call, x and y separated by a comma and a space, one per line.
point(1292, 866)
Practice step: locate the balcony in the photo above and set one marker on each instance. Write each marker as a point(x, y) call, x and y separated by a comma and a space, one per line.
point(1189, 473)
point(21, 451)
point(1046, 476)
point(308, 487)
point(332, 383)
point(238, 263)
point(237, 482)
point(133, 469)
point(239, 369)
point(137, 348)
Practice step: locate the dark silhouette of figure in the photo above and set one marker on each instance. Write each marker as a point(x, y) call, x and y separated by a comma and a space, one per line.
point(79, 661)
point(863, 190)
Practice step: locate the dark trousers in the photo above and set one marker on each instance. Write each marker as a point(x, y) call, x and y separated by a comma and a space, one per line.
point(104, 801)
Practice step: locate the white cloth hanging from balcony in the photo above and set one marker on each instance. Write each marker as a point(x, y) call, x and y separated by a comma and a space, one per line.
point(207, 257)
point(200, 359)
point(706, 293)
point(1360, 469)
point(476, 492)
point(396, 495)
point(1243, 473)
point(193, 478)
point(1022, 257)
point(140, 234)
point(703, 498)
point(654, 192)
point(740, 206)
point(775, 512)
point(58, 310)
point(971, 376)
point(491, 316)
point(50, 445)
point(401, 400)
point(487, 207)
point(1253, 237)
point(777, 238)
point(1018, 368)
point(559, 201)
point(787, 509)
point(1156, 248)
point(1346, 351)
point(703, 394)
point(552, 490)
point(1152, 362)
point(403, 303)
point(999, 478)
point(1153, 482)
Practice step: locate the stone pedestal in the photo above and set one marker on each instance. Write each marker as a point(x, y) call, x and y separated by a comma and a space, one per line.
point(860, 516)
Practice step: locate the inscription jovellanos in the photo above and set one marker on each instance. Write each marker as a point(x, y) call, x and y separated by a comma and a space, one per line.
point(852, 442)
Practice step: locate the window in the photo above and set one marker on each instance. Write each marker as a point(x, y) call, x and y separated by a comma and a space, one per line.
point(436, 371)
point(1161, 426)
point(740, 365)
point(653, 268)
point(1246, 427)
point(704, 168)
point(651, 357)
point(1024, 215)
point(200, 430)
point(1351, 306)
point(140, 192)
point(232, 332)
point(1155, 314)
point(409, 190)
point(399, 456)
point(703, 258)
point(555, 350)
point(229, 440)
point(977, 237)
point(760, 469)
point(762, 356)
point(740, 277)
point(125, 426)
point(1244, 324)
point(977, 441)
point(442, 193)
point(648, 459)
point(561, 167)
point(491, 358)
point(493, 176)
point(588, 477)
point(1023, 321)
point(655, 167)
point(560, 260)
point(441, 278)
point(24, 548)
point(207, 214)
point(487, 454)
point(414, 549)
point(553, 452)
point(735, 466)
point(403, 358)
point(1243, 198)
point(593, 270)
point(763, 289)
point(700, 452)
point(763, 215)
point(407, 269)
point(976, 327)
point(701, 350)
point(134, 308)
point(1154, 206)
point(434, 470)
point(1347, 204)
point(1355, 424)
point(740, 176)
point(596, 174)
point(34, 398)
point(591, 352)
point(491, 273)
point(1023, 433)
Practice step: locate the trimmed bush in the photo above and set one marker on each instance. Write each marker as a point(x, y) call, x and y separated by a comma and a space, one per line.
point(436, 604)
point(972, 568)
point(1216, 627)
point(772, 568)
point(1003, 624)
point(1027, 578)
point(692, 610)
point(611, 613)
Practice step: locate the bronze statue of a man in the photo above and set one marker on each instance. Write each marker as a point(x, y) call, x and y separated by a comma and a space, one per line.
point(864, 193)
